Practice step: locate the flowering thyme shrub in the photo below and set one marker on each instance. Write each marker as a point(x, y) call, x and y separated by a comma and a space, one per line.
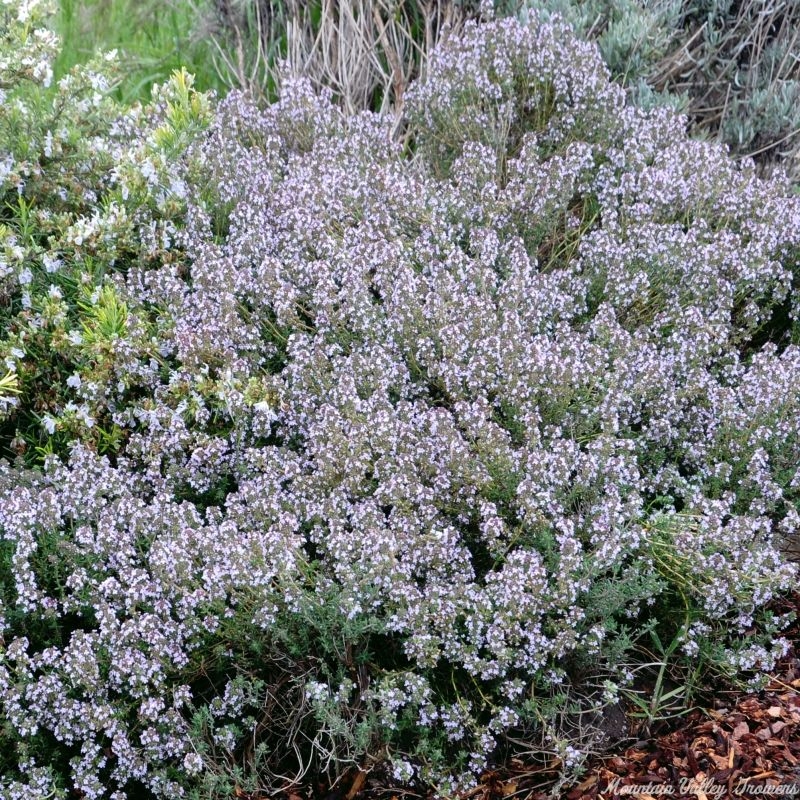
point(418, 447)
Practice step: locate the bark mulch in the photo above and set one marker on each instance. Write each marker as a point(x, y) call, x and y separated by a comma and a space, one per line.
point(746, 747)
point(751, 750)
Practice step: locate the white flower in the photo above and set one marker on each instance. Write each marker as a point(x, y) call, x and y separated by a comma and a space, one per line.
point(193, 764)
point(403, 770)
point(6, 164)
point(317, 691)
point(51, 263)
point(82, 414)
point(265, 410)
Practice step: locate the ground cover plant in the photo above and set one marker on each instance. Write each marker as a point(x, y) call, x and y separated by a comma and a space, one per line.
point(324, 449)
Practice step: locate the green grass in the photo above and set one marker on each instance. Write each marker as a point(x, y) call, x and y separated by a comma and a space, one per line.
point(153, 39)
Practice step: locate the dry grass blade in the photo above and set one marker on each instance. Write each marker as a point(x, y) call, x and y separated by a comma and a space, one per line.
point(365, 51)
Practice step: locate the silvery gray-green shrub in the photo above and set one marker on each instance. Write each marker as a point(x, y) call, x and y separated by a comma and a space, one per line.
point(408, 449)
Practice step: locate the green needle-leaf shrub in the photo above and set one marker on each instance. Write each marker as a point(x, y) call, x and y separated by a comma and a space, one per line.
point(407, 451)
